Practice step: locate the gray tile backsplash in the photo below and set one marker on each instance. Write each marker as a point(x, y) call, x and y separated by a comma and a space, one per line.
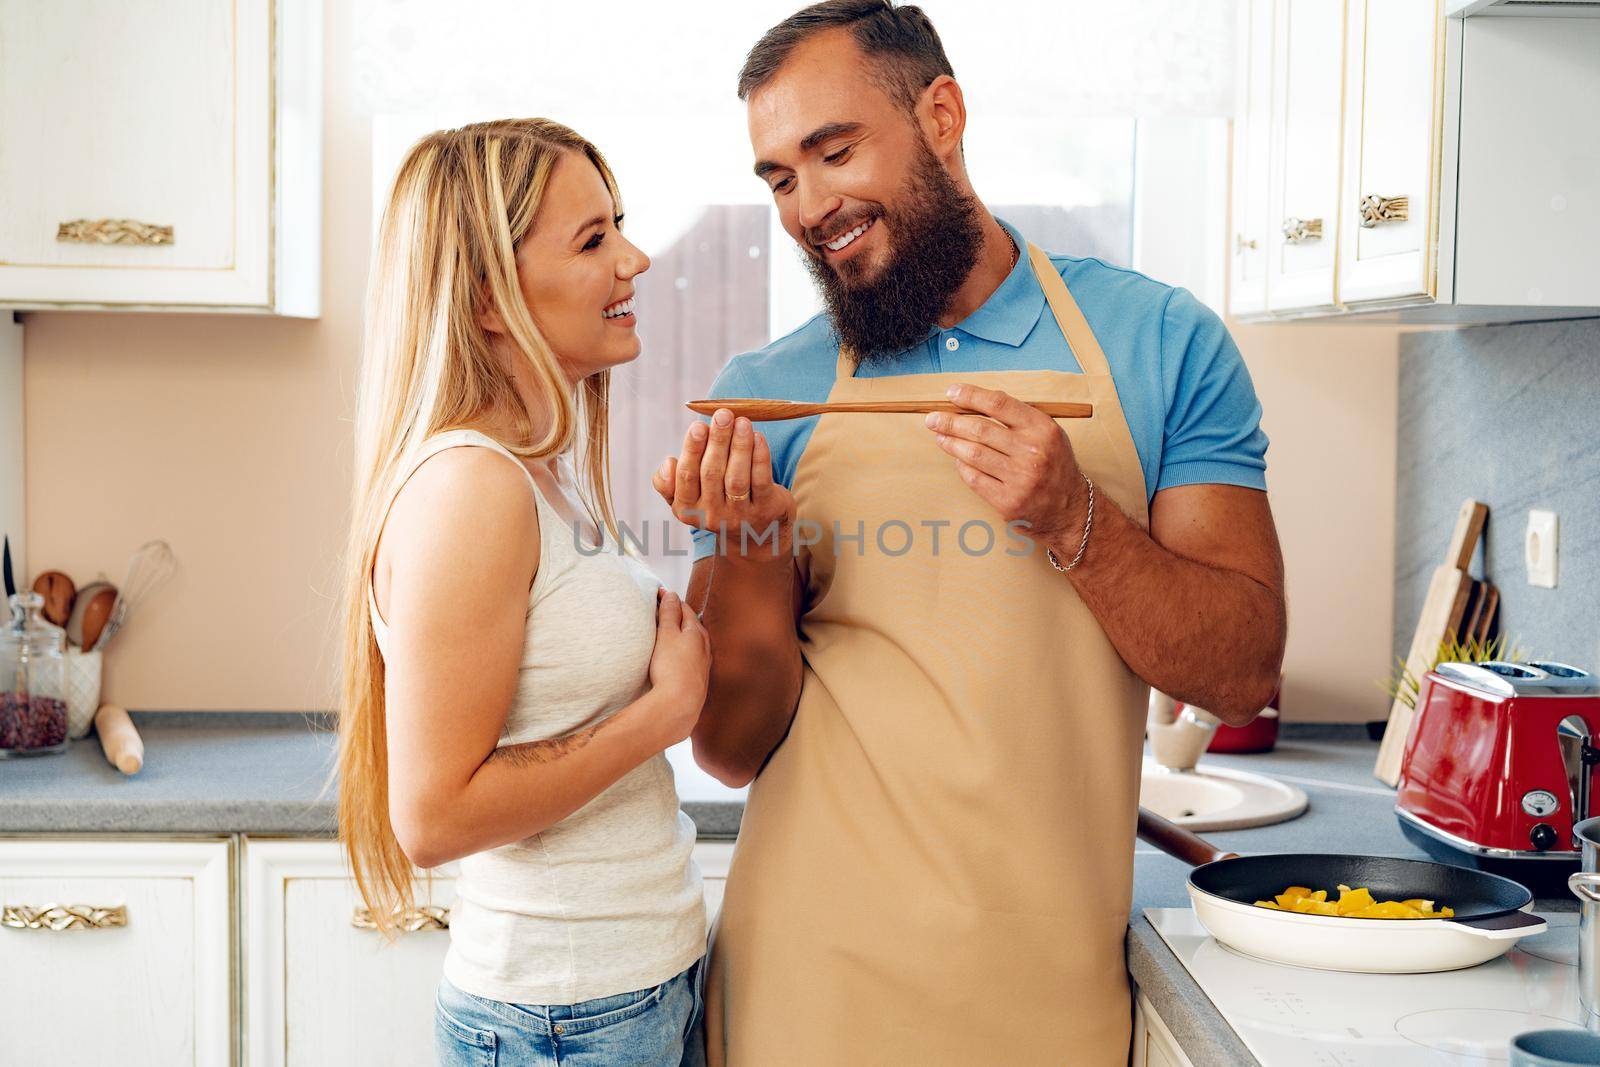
point(1509, 415)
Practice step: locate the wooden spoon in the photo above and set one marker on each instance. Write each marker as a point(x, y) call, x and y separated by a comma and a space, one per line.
point(59, 594)
point(757, 410)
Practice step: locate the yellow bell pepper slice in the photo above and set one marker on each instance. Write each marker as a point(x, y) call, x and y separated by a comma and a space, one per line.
point(1356, 903)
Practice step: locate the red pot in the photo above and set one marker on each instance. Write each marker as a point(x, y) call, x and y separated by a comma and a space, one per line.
point(1258, 736)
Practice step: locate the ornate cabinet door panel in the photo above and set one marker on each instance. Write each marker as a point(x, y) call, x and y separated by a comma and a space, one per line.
point(1393, 109)
point(1304, 215)
point(157, 155)
point(321, 988)
point(116, 952)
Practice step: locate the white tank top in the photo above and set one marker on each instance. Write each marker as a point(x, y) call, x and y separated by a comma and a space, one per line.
point(607, 901)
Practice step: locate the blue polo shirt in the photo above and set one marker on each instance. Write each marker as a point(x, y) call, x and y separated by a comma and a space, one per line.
point(1185, 391)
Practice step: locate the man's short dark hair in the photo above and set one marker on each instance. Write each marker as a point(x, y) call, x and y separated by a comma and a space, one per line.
point(898, 40)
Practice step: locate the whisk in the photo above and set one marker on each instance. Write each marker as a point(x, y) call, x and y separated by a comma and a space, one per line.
point(148, 568)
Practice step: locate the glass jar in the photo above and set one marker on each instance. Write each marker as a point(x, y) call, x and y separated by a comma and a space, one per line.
point(33, 680)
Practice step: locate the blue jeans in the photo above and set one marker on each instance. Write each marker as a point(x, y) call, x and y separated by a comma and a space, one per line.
point(656, 1027)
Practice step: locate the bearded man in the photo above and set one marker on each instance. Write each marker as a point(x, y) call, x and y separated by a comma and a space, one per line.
point(933, 637)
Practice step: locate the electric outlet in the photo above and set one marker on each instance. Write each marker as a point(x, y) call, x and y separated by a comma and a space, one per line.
point(1540, 548)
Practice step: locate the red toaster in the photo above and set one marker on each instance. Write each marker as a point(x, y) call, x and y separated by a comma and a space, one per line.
point(1498, 767)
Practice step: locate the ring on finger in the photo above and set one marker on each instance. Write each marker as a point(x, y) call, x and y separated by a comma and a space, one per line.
point(736, 499)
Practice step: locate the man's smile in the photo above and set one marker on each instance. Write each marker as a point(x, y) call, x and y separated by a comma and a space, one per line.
point(838, 246)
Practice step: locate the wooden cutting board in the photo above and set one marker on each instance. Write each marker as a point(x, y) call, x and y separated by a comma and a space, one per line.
point(1441, 617)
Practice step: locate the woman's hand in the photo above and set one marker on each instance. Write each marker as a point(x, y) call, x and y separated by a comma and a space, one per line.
point(723, 482)
point(680, 666)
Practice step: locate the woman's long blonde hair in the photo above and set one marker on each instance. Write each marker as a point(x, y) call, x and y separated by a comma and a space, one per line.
point(461, 203)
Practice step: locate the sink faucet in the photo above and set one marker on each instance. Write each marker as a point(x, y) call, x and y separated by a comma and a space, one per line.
point(1178, 738)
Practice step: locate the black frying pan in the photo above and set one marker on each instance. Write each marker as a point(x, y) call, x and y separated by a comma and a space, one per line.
point(1224, 887)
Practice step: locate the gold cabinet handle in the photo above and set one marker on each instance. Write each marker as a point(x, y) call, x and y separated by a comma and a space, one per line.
point(1299, 231)
point(1240, 244)
point(63, 917)
point(1376, 209)
point(113, 232)
point(426, 917)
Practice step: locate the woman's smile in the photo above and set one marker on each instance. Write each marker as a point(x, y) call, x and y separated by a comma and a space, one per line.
point(621, 313)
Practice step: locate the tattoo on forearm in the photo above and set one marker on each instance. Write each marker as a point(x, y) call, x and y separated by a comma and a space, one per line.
point(531, 752)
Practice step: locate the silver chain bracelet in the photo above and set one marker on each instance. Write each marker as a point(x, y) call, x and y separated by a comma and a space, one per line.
point(1088, 523)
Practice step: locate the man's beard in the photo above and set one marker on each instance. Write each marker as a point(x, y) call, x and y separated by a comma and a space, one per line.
point(937, 232)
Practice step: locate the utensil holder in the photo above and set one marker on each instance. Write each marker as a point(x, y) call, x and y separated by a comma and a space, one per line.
point(82, 691)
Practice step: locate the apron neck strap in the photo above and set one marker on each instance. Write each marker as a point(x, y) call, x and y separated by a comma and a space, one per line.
point(1074, 327)
point(1069, 317)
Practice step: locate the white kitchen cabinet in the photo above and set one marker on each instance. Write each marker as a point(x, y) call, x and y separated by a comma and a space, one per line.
point(1252, 166)
point(1450, 161)
point(1392, 143)
point(1528, 189)
point(1153, 1043)
point(116, 952)
point(1304, 182)
point(161, 155)
point(319, 989)
point(713, 857)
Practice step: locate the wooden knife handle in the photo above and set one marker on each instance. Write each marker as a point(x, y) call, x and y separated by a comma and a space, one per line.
point(1174, 840)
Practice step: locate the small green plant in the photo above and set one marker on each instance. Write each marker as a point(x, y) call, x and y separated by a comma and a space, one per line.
point(1405, 686)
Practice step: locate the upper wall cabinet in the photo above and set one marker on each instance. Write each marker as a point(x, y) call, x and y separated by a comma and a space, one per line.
point(161, 155)
point(1392, 142)
point(1303, 192)
point(1396, 164)
point(1247, 275)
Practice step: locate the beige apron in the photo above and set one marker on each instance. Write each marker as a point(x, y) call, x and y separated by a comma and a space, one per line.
point(935, 866)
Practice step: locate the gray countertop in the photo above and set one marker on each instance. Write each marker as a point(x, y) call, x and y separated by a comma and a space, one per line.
point(264, 773)
point(237, 772)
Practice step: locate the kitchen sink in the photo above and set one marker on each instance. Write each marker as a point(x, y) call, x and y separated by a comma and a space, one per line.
point(1213, 798)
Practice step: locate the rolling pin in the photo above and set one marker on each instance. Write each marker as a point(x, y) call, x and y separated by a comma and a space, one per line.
point(119, 739)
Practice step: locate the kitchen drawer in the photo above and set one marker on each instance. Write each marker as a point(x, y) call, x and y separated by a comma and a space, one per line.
point(116, 952)
point(319, 990)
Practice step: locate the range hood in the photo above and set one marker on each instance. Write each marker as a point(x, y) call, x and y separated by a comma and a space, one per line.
point(1460, 9)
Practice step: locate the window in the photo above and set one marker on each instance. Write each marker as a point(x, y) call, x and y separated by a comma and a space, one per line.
point(1096, 129)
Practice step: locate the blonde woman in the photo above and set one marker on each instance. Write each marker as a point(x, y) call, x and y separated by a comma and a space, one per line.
point(508, 691)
